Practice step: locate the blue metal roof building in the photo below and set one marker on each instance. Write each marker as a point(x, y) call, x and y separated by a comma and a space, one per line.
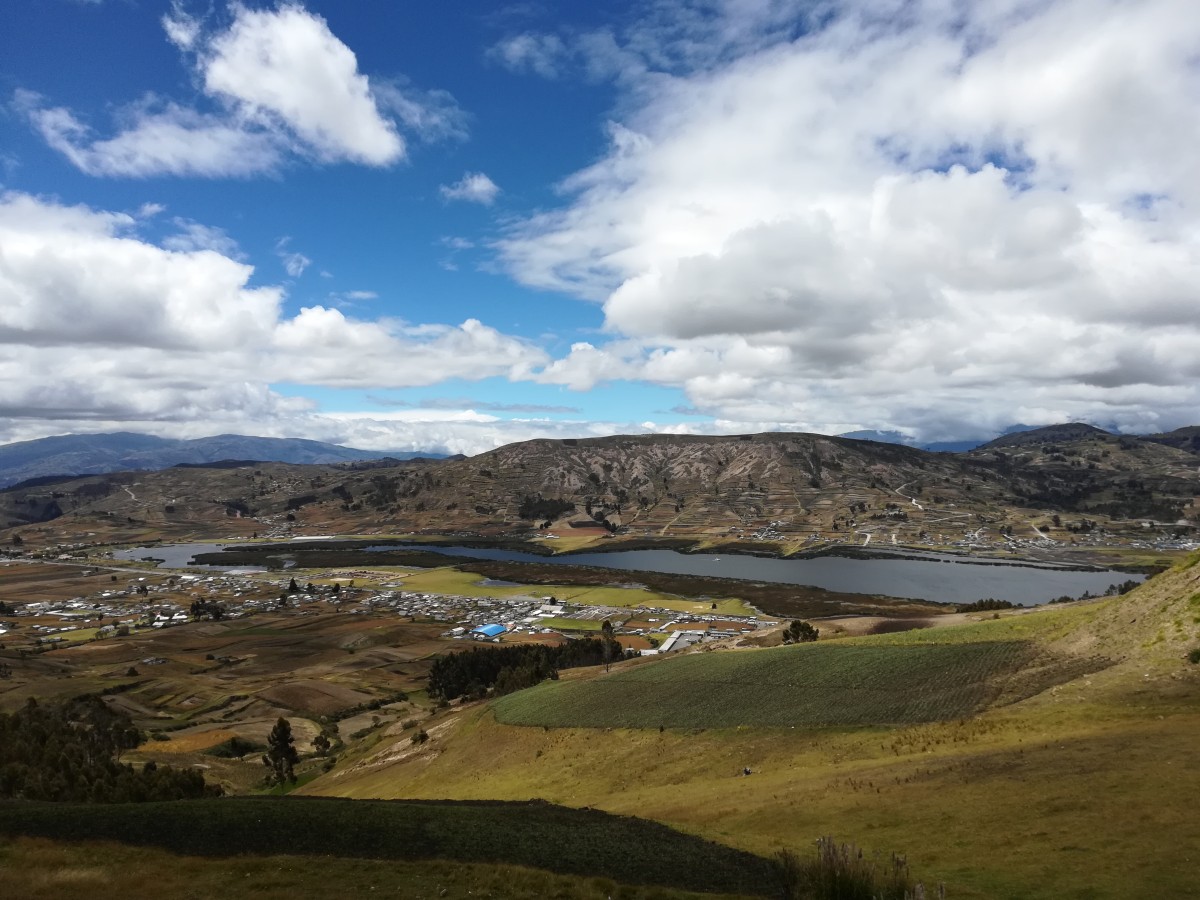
point(488, 631)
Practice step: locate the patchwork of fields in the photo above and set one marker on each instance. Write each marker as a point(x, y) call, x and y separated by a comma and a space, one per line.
point(806, 685)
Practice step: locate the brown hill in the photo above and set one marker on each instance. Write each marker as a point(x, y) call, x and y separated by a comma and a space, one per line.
point(786, 488)
point(1181, 438)
point(1050, 434)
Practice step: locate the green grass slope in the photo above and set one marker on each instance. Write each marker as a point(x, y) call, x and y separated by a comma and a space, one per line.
point(804, 685)
point(582, 842)
point(40, 869)
point(1157, 624)
point(1076, 782)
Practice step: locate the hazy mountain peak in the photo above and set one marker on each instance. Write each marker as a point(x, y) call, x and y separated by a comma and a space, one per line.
point(94, 454)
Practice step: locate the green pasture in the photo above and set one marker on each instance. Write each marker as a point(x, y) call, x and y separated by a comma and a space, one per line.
point(560, 624)
point(449, 580)
point(809, 685)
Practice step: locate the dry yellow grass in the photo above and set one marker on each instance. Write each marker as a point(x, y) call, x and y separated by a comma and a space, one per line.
point(189, 743)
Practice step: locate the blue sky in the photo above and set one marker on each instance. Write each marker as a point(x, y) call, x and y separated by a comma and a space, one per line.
point(443, 226)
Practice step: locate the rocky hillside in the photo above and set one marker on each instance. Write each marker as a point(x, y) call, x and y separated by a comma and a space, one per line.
point(1077, 468)
point(784, 488)
point(1050, 434)
point(1181, 438)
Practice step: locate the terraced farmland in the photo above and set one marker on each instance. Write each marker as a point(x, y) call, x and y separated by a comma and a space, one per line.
point(805, 685)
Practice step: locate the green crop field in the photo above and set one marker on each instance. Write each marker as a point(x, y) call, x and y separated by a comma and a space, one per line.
point(804, 685)
point(572, 624)
point(583, 842)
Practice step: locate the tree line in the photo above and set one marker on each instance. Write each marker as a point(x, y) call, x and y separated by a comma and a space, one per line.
point(473, 673)
point(70, 752)
point(986, 605)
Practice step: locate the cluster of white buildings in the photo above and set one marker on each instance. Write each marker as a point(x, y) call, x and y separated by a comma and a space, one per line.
point(142, 605)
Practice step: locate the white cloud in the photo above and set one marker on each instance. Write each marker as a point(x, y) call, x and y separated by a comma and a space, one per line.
point(183, 30)
point(432, 115)
point(287, 64)
point(294, 263)
point(957, 217)
point(543, 54)
point(170, 140)
point(473, 187)
point(71, 276)
point(139, 333)
point(194, 236)
point(282, 86)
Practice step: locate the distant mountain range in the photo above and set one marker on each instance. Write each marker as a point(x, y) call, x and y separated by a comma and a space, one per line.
point(896, 437)
point(1187, 438)
point(98, 454)
point(688, 487)
point(95, 454)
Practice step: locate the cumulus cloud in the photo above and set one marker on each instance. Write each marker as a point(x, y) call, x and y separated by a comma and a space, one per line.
point(473, 187)
point(253, 410)
point(98, 324)
point(161, 139)
point(287, 64)
point(282, 86)
point(468, 431)
point(466, 403)
point(921, 215)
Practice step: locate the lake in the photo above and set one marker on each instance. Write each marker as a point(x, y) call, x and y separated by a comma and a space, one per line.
point(943, 579)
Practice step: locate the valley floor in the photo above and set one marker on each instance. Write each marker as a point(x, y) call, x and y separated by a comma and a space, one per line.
point(1083, 791)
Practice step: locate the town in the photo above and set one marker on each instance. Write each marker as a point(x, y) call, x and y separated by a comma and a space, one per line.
point(178, 598)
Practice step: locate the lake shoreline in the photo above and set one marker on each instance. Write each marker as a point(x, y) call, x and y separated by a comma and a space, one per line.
point(837, 577)
point(695, 548)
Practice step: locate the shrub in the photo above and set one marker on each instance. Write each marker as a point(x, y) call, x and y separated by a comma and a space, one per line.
point(799, 632)
point(70, 751)
point(538, 507)
point(234, 748)
point(1194, 656)
point(986, 605)
point(844, 872)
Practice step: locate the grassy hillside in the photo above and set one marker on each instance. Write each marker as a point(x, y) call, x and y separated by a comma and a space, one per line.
point(38, 869)
point(569, 841)
point(1156, 624)
point(1067, 787)
point(806, 685)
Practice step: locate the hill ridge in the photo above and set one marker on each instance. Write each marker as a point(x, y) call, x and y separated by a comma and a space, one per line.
point(78, 455)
